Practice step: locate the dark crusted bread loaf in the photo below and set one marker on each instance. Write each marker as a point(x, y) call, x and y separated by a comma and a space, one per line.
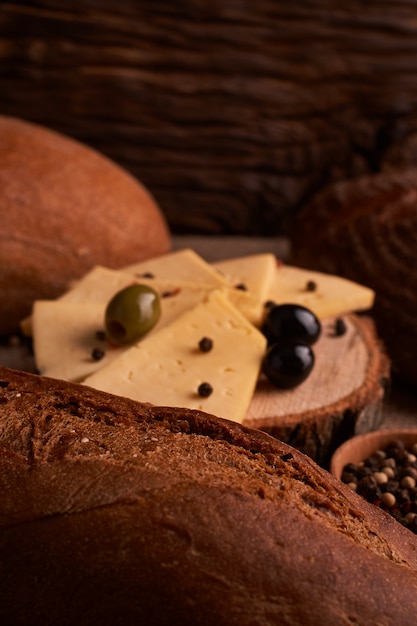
point(65, 208)
point(113, 512)
point(366, 229)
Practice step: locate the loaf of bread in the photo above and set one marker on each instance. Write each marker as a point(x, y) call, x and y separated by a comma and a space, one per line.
point(366, 229)
point(114, 512)
point(65, 208)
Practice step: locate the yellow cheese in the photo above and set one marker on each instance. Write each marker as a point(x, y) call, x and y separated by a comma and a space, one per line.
point(255, 271)
point(167, 367)
point(64, 336)
point(101, 283)
point(64, 330)
point(251, 306)
point(332, 295)
point(181, 266)
point(98, 285)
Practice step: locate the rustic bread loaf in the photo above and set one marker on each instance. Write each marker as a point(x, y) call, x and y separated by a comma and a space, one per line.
point(366, 229)
point(114, 512)
point(65, 208)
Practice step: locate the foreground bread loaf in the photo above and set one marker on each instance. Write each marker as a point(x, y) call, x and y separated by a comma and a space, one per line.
point(115, 512)
point(65, 208)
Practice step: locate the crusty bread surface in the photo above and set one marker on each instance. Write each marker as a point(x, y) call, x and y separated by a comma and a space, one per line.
point(115, 512)
point(366, 229)
point(65, 208)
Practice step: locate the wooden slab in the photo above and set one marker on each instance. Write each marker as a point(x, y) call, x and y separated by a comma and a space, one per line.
point(343, 395)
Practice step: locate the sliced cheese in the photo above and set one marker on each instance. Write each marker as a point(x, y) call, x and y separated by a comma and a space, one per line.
point(64, 336)
point(65, 330)
point(256, 272)
point(251, 306)
point(101, 283)
point(98, 285)
point(331, 296)
point(181, 266)
point(166, 368)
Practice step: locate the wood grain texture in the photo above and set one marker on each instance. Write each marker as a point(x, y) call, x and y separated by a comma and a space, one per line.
point(232, 113)
point(344, 395)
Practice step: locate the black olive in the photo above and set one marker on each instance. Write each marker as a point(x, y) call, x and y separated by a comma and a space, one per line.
point(291, 322)
point(287, 365)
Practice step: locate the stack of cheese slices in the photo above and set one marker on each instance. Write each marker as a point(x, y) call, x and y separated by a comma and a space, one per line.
point(224, 301)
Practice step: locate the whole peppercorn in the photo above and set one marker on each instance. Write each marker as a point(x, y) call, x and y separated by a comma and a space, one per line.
point(388, 471)
point(339, 327)
point(369, 489)
point(392, 486)
point(349, 477)
point(205, 390)
point(380, 478)
point(205, 344)
point(311, 285)
point(389, 462)
point(388, 478)
point(97, 354)
point(408, 482)
point(388, 499)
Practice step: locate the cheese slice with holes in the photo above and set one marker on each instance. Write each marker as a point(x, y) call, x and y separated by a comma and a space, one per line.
point(168, 367)
point(64, 336)
point(331, 295)
point(256, 272)
point(98, 285)
point(181, 265)
point(65, 330)
point(101, 283)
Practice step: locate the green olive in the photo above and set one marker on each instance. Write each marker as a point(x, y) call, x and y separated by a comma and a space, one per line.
point(132, 313)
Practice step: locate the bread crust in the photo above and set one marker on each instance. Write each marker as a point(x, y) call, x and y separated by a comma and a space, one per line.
point(365, 229)
point(64, 209)
point(114, 512)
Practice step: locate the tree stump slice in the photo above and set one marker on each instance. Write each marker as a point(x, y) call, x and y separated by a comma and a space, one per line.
point(343, 396)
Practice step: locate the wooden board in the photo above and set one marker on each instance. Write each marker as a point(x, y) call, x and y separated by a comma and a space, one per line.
point(343, 396)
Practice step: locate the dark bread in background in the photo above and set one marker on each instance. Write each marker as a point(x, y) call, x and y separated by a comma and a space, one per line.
point(65, 208)
point(366, 229)
point(115, 512)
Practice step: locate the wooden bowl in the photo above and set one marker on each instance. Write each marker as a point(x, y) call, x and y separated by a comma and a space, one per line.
point(361, 447)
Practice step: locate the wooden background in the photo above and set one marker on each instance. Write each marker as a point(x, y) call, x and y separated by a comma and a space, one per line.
point(233, 113)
